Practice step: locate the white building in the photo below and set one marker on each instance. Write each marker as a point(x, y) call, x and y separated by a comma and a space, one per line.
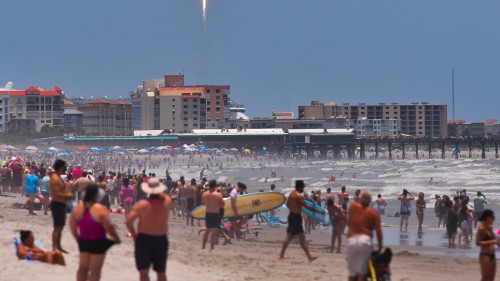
point(375, 127)
point(5, 109)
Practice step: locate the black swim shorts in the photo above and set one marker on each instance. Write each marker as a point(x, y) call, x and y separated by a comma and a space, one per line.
point(58, 213)
point(190, 204)
point(151, 249)
point(212, 220)
point(295, 224)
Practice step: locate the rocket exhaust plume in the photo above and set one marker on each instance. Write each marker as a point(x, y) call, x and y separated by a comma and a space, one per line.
point(204, 7)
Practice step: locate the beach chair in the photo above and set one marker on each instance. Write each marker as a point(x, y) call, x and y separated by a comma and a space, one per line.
point(273, 222)
point(378, 265)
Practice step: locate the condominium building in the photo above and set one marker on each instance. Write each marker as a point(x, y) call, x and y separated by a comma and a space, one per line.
point(107, 117)
point(44, 107)
point(417, 119)
point(216, 97)
point(5, 109)
point(178, 109)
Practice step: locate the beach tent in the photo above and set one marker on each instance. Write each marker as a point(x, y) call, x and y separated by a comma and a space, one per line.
point(94, 149)
point(142, 151)
point(31, 148)
point(53, 149)
point(117, 148)
point(81, 148)
point(153, 148)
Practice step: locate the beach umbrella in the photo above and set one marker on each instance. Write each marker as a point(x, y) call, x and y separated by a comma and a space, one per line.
point(246, 150)
point(94, 149)
point(153, 148)
point(81, 148)
point(264, 152)
point(192, 145)
point(53, 148)
point(31, 148)
point(130, 149)
point(142, 151)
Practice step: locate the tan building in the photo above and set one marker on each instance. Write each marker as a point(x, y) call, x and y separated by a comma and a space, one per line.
point(178, 109)
point(417, 119)
point(107, 118)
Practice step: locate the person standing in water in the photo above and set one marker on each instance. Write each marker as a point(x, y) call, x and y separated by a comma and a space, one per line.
point(295, 204)
point(420, 204)
point(405, 198)
point(380, 204)
point(486, 239)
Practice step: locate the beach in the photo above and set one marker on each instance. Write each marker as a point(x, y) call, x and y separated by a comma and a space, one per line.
point(424, 257)
point(248, 259)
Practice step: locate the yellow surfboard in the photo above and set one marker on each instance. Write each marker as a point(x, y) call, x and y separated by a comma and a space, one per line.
point(247, 204)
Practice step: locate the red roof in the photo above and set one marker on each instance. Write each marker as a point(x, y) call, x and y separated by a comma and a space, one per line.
point(43, 93)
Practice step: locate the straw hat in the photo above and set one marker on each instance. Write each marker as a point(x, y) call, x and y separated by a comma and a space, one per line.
point(153, 186)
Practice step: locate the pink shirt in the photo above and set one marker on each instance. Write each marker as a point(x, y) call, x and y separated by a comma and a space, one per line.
point(127, 194)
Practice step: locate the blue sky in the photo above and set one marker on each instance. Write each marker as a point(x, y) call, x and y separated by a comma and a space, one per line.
point(275, 54)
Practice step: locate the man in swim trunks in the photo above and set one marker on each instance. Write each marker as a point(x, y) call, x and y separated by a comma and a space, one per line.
point(363, 220)
point(380, 204)
point(191, 200)
point(295, 204)
point(213, 202)
point(60, 197)
point(151, 241)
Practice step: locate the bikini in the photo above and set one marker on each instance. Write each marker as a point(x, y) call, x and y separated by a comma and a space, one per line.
point(490, 255)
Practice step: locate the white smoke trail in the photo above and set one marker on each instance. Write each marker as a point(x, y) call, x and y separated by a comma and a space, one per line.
point(204, 6)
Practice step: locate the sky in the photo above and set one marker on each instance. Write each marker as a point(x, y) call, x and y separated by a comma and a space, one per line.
point(275, 54)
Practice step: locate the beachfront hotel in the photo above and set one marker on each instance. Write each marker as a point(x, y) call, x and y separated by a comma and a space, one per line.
point(416, 119)
point(34, 108)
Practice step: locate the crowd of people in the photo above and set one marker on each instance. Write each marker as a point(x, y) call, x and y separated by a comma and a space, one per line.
point(92, 194)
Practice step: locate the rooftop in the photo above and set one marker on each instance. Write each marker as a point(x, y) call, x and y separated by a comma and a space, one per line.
point(33, 91)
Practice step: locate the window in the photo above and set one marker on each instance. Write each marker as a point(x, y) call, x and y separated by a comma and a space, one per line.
point(195, 118)
point(195, 106)
point(195, 112)
point(208, 91)
point(217, 91)
point(173, 99)
point(185, 106)
point(185, 112)
point(185, 125)
point(195, 125)
point(217, 109)
point(217, 103)
point(208, 102)
point(185, 100)
point(208, 108)
point(49, 121)
point(185, 118)
point(195, 100)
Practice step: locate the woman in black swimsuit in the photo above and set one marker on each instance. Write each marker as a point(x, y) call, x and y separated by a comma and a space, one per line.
point(486, 240)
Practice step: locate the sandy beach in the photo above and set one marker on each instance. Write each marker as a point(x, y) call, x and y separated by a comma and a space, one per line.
point(250, 259)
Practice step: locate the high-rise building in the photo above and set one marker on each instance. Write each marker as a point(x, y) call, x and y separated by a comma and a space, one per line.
point(164, 104)
point(44, 107)
point(178, 109)
point(417, 119)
